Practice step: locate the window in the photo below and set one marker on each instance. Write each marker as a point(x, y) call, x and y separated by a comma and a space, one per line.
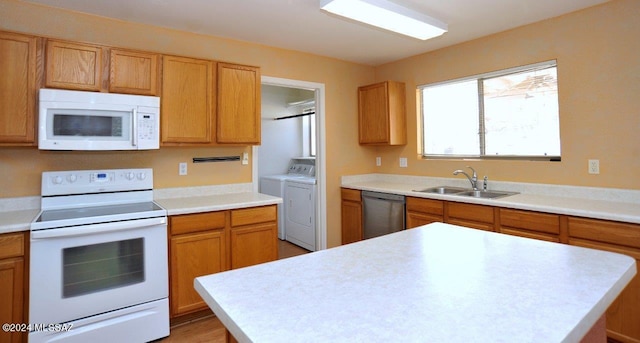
point(511, 113)
point(309, 132)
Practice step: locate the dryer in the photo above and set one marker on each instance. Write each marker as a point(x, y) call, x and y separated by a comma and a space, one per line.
point(300, 212)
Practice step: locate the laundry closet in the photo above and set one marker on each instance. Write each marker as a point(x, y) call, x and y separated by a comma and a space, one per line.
point(286, 161)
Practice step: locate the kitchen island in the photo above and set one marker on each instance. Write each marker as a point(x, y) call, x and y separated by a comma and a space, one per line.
point(435, 283)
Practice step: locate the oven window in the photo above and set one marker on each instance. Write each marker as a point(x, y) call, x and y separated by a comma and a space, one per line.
point(94, 268)
point(87, 126)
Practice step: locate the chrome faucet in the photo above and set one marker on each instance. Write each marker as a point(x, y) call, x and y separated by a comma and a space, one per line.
point(473, 179)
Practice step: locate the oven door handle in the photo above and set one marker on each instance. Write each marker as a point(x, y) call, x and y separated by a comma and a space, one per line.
point(98, 228)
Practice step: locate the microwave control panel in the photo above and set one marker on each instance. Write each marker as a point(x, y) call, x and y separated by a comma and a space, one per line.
point(148, 129)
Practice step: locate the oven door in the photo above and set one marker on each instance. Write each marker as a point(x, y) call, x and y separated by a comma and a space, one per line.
point(81, 271)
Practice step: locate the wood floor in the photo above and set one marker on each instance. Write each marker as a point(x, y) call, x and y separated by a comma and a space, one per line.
point(210, 329)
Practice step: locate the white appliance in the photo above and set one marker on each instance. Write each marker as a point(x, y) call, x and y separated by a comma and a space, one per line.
point(299, 169)
point(98, 262)
point(75, 120)
point(300, 212)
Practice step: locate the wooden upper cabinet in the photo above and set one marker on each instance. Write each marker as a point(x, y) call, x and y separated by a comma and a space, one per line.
point(187, 111)
point(381, 114)
point(238, 104)
point(17, 89)
point(73, 66)
point(133, 72)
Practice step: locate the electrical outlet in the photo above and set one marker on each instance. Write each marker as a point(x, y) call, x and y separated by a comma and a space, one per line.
point(378, 161)
point(594, 166)
point(245, 158)
point(182, 168)
point(403, 162)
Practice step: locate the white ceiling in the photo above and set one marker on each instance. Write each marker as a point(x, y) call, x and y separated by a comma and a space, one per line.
point(300, 25)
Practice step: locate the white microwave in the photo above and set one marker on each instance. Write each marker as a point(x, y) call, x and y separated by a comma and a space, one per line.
point(75, 120)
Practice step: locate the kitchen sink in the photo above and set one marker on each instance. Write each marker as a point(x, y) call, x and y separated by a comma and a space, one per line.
point(442, 190)
point(466, 192)
point(485, 194)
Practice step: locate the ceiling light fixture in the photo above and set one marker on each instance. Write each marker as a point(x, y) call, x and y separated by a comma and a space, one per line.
point(387, 15)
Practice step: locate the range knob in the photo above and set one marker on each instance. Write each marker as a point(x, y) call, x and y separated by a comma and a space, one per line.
point(72, 178)
point(142, 176)
point(56, 180)
point(130, 176)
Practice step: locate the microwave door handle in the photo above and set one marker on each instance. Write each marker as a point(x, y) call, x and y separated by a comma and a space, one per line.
point(134, 122)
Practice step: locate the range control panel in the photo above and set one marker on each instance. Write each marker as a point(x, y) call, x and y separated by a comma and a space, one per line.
point(96, 181)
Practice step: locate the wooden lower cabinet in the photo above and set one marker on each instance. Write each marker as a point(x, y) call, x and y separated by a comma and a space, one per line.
point(623, 316)
point(254, 236)
point(423, 211)
point(542, 226)
point(197, 247)
point(351, 215)
point(212, 242)
point(470, 215)
point(12, 284)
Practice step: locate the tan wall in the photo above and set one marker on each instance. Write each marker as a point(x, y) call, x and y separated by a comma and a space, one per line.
point(20, 168)
point(598, 54)
point(599, 74)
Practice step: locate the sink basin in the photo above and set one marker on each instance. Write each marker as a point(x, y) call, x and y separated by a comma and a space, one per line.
point(485, 194)
point(441, 190)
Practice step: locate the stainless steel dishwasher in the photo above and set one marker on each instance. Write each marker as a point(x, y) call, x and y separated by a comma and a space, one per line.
point(382, 213)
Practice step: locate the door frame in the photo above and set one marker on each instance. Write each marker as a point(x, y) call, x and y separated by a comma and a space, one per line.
point(321, 159)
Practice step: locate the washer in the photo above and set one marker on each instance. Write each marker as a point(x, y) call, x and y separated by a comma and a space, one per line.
point(274, 185)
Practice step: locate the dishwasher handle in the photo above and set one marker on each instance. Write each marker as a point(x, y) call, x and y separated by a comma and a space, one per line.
point(383, 196)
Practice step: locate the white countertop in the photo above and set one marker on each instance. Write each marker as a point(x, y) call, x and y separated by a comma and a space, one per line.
point(16, 214)
point(216, 202)
point(598, 203)
point(436, 283)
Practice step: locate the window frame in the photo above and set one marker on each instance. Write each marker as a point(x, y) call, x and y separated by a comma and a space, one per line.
point(478, 78)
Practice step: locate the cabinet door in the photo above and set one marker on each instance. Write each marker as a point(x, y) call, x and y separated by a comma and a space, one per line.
point(254, 244)
point(423, 211)
point(73, 66)
point(238, 104)
point(133, 72)
point(373, 114)
point(381, 114)
point(194, 255)
point(186, 114)
point(17, 89)
point(351, 216)
point(11, 296)
point(415, 219)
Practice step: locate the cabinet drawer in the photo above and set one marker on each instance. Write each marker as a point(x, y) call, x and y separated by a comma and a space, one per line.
point(197, 222)
point(11, 245)
point(605, 231)
point(471, 212)
point(253, 215)
point(533, 221)
point(530, 234)
point(425, 206)
point(351, 194)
